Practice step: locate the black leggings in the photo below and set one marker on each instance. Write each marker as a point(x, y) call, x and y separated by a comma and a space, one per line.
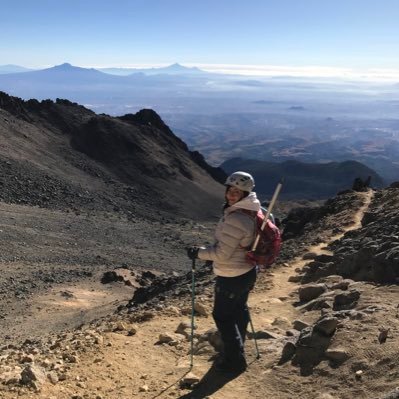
point(230, 311)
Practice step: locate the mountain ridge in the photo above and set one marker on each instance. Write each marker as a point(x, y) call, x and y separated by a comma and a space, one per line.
point(309, 180)
point(139, 155)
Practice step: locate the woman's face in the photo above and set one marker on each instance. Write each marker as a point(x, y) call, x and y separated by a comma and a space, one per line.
point(233, 195)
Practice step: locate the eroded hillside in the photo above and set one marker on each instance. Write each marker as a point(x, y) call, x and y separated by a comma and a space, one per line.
point(60, 155)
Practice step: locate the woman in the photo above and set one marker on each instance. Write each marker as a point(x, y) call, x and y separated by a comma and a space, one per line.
point(235, 278)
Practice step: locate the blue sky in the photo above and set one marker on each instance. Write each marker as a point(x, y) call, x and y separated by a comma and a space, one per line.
point(355, 34)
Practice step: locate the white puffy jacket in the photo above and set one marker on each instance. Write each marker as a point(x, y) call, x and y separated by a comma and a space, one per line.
point(234, 232)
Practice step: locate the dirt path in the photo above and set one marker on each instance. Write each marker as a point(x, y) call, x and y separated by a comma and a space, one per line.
point(271, 301)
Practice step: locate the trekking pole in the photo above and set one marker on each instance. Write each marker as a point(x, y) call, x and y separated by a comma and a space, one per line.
point(255, 244)
point(269, 211)
point(254, 335)
point(192, 312)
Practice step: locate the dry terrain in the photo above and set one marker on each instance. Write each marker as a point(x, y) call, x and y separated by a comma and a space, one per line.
point(72, 331)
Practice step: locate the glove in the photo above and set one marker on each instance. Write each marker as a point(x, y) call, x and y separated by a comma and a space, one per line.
point(192, 252)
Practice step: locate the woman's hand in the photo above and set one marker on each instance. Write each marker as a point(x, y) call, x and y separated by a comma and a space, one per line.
point(192, 252)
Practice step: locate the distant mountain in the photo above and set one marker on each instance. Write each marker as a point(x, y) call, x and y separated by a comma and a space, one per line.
point(90, 86)
point(70, 72)
point(64, 156)
point(60, 75)
point(303, 180)
point(13, 69)
point(174, 69)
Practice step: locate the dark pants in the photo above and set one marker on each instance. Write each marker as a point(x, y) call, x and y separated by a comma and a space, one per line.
point(230, 311)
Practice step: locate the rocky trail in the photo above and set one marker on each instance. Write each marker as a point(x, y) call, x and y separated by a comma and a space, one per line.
point(324, 338)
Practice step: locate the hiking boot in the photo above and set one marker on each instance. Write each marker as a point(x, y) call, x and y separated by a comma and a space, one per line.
point(231, 366)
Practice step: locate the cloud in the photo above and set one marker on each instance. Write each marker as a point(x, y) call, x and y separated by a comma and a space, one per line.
point(311, 71)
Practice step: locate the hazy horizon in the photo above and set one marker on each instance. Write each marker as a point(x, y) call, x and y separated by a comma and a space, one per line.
point(355, 39)
point(315, 72)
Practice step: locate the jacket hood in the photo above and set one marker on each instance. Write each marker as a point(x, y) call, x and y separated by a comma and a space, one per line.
point(250, 202)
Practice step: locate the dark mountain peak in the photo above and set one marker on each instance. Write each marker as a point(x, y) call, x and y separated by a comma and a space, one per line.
point(150, 118)
point(65, 65)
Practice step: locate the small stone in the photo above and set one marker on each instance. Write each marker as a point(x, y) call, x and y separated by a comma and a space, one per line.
point(70, 358)
point(281, 322)
point(295, 279)
point(173, 310)
point(263, 334)
point(201, 309)
point(53, 377)
point(182, 327)
point(165, 338)
point(99, 340)
point(132, 331)
point(337, 355)
point(27, 359)
point(144, 388)
point(383, 335)
point(120, 326)
point(189, 380)
point(359, 374)
point(299, 325)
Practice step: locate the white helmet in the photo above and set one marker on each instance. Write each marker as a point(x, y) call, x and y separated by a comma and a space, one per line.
point(242, 180)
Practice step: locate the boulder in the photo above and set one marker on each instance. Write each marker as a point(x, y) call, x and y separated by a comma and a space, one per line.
point(34, 376)
point(346, 300)
point(288, 352)
point(326, 326)
point(311, 291)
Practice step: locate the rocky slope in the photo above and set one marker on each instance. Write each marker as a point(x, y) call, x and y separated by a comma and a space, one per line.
point(326, 336)
point(61, 155)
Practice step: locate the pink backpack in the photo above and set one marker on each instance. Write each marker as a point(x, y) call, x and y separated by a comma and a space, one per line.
point(269, 243)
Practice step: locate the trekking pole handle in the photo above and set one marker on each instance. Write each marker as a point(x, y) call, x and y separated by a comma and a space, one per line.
point(269, 211)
